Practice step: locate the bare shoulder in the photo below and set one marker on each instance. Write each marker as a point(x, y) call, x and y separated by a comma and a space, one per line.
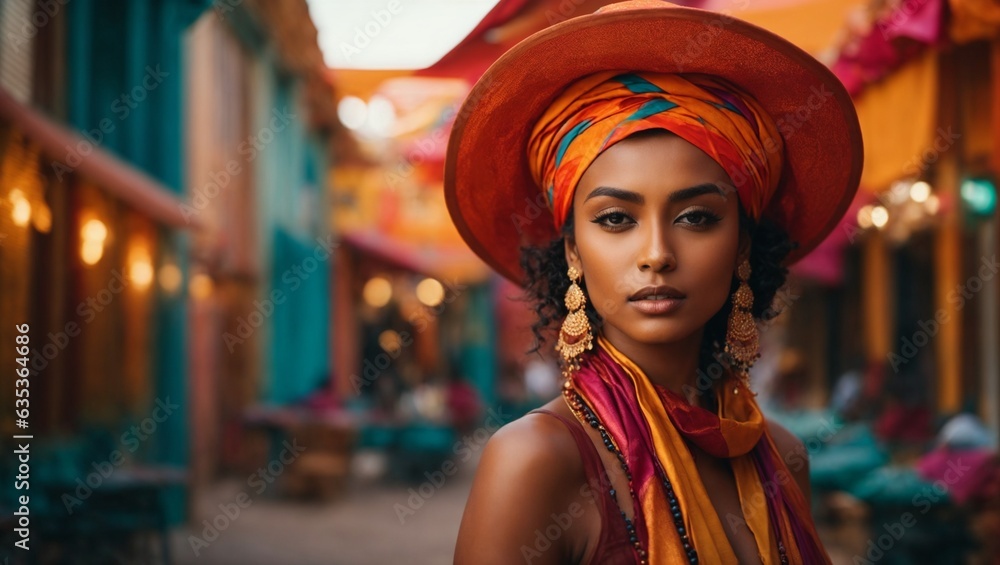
point(540, 434)
point(536, 448)
point(791, 449)
point(526, 473)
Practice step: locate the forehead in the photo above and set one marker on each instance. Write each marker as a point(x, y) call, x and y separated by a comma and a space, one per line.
point(652, 161)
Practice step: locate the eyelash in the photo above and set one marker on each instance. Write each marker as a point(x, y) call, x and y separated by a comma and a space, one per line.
point(602, 219)
point(708, 218)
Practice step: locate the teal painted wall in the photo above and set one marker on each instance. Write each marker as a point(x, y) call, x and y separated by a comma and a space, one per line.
point(299, 362)
point(289, 173)
point(125, 79)
point(126, 94)
point(301, 324)
point(478, 355)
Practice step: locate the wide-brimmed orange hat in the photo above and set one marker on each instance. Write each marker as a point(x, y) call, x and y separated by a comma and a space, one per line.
point(497, 206)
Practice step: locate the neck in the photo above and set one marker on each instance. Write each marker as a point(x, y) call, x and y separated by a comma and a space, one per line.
point(671, 365)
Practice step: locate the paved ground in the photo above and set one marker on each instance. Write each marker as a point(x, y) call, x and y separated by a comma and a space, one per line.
point(360, 528)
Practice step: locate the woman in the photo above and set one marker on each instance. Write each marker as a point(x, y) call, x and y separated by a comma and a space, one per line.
point(647, 173)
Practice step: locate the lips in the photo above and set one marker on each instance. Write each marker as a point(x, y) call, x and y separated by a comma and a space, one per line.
point(656, 293)
point(657, 300)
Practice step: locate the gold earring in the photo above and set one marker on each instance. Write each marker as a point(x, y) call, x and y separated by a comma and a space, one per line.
point(742, 344)
point(574, 336)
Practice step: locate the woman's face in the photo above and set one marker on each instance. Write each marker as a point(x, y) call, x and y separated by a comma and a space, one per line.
point(657, 238)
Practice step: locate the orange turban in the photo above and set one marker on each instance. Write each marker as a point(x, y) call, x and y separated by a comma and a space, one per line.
point(602, 109)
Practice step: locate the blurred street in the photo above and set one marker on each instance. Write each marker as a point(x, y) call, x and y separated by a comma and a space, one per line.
point(361, 528)
point(238, 324)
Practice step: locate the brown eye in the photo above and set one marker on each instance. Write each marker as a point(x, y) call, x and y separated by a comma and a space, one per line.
point(700, 218)
point(613, 220)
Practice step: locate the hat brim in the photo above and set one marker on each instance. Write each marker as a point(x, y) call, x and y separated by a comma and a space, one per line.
point(489, 190)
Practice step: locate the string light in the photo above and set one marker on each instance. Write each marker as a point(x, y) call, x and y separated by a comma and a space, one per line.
point(865, 217)
point(880, 216)
point(932, 205)
point(91, 252)
point(920, 191)
point(200, 286)
point(20, 208)
point(94, 233)
point(170, 278)
point(95, 230)
point(42, 218)
point(390, 341)
point(140, 270)
point(430, 292)
point(377, 292)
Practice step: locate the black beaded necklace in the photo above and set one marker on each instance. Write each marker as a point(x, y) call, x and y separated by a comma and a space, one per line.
point(583, 412)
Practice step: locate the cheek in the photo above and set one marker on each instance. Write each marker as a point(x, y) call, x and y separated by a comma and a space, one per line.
point(717, 290)
point(605, 269)
point(713, 267)
point(601, 282)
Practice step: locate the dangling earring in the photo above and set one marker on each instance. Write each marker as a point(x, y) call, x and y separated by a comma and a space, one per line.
point(742, 345)
point(575, 336)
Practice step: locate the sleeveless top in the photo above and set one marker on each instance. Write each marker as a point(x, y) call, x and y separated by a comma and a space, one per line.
point(613, 546)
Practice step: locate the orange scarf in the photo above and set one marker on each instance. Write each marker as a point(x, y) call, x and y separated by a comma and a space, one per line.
point(650, 424)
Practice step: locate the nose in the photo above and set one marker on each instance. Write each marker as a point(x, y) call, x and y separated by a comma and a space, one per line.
point(656, 255)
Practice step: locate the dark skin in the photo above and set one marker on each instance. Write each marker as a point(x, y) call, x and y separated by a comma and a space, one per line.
point(651, 210)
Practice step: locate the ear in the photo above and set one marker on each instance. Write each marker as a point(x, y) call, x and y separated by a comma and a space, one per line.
point(572, 253)
point(743, 251)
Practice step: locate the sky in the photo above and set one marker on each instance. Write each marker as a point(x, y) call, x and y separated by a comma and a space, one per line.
point(393, 34)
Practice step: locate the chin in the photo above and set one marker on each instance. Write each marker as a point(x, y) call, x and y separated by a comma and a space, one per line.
point(658, 331)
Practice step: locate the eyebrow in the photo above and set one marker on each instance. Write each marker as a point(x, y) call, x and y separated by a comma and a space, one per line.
point(697, 190)
point(676, 196)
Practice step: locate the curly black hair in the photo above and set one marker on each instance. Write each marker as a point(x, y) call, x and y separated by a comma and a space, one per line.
point(545, 284)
